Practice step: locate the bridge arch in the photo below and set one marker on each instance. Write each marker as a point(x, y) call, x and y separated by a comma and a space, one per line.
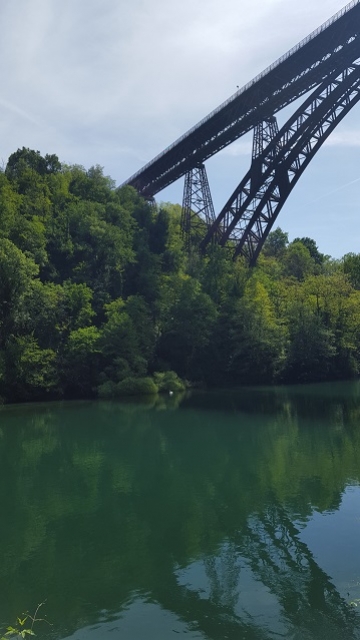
point(326, 62)
point(249, 214)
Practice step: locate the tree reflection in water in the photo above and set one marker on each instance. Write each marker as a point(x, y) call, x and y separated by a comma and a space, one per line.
point(109, 503)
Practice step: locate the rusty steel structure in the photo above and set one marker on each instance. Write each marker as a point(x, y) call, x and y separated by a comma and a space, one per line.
point(326, 63)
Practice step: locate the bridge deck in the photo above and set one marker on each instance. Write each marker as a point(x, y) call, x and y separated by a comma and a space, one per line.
point(323, 52)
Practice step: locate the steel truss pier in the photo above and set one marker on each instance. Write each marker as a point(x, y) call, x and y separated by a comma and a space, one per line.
point(197, 207)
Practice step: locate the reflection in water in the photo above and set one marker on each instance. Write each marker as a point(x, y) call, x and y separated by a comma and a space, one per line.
point(186, 514)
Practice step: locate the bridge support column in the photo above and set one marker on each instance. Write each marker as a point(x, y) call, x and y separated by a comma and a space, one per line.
point(264, 134)
point(197, 208)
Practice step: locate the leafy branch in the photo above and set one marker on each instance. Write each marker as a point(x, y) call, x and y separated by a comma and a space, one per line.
point(19, 631)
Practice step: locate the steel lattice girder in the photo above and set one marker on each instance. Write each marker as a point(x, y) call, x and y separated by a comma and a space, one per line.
point(334, 46)
point(252, 209)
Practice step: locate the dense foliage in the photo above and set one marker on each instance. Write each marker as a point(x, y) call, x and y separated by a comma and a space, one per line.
point(98, 296)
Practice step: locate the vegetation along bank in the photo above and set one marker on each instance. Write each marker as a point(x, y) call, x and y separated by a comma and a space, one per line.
point(98, 296)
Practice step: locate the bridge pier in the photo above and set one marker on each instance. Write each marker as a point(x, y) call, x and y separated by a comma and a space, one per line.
point(197, 212)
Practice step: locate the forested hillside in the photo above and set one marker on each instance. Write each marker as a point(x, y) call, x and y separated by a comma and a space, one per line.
point(99, 297)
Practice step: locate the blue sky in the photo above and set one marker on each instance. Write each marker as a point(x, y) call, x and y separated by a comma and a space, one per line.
point(115, 82)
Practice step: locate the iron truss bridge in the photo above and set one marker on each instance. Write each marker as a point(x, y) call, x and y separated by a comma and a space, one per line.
point(327, 64)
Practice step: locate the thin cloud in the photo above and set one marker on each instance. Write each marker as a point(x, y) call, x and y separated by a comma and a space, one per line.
point(14, 109)
point(331, 192)
point(344, 139)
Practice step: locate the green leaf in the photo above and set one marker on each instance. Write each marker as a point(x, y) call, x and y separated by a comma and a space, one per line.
point(354, 603)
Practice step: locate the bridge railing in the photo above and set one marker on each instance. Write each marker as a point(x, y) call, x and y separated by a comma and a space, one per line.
point(261, 75)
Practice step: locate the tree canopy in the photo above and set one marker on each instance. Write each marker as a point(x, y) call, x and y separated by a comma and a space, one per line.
point(98, 289)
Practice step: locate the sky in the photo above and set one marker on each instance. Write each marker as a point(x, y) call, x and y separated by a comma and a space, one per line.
point(114, 82)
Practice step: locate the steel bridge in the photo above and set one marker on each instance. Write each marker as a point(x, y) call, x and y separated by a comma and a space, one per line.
point(325, 69)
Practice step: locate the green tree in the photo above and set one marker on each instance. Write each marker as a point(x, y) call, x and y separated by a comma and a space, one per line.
point(311, 346)
point(10, 202)
point(297, 261)
point(276, 243)
point(30, 372)
point(52, 311)
point(336, 304)
point(218, 275)
point(351, 266)
point(26, 158)
point(16, 274)
point(312, 247)
point(126, 339)
point(257, 338)
point(29, 236)
point(80, 366)
point(187, 318)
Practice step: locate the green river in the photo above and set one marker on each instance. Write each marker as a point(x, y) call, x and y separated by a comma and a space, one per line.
point(224, 515)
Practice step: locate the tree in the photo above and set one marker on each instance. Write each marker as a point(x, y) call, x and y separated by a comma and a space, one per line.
point(187, 316)
point(217, 277)
point(29, 236)
point(311, 346)
point(52, 311)
point(257, 338)
point(312, 248)
point(336, 304)
point(276, 243)
point(127, 338)
point(92, 184)
point(25, 158)
point(10, 202)
point(351, 266)
point(30, 372)
point(80, 366)
point(16, 274)
point(297, 261)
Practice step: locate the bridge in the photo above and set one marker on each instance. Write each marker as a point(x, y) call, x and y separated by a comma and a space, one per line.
point(325, 69)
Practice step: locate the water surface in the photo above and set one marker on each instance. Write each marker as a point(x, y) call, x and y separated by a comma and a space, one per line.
point(218, 516)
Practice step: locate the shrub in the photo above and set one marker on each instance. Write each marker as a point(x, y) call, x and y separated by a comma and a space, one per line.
point(107, 390)
point(168, 381)
point(136, 386)
point(127, 387)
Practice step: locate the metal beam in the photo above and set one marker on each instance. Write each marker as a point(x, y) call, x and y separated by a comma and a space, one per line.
point(250, 212)
point(330, 48)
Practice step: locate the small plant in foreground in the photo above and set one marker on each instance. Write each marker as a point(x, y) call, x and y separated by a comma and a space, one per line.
point(19, 631)
point(355, 603)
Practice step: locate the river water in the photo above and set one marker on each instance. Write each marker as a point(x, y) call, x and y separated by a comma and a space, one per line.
point(227, 515)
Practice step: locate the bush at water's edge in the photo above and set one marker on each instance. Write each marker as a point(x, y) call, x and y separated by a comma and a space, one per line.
point(161, 382)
